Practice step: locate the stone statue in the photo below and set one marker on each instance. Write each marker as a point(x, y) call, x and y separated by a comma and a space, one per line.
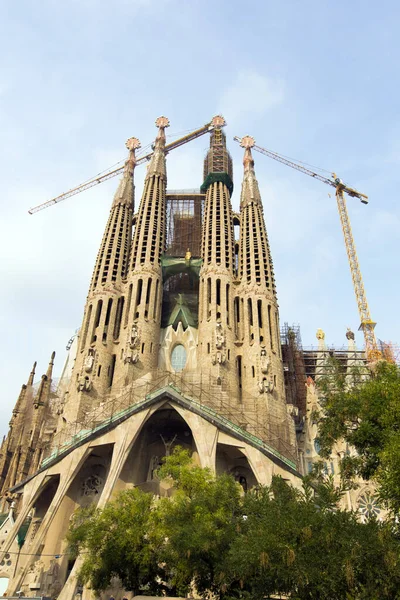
point(266, 386)
point(134, 339)
point(89, 360)
point(219, 336)
point(84, 384)
point(131, 356)
point(154, 464)
point(264, 361)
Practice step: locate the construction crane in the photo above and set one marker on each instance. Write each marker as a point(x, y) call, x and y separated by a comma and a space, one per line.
point(216, 123)
point(367, 325)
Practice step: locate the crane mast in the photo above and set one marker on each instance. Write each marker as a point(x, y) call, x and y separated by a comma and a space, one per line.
point(367, 325)
point(215, 122)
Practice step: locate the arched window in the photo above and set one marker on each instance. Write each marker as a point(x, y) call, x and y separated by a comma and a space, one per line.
point(178, 357)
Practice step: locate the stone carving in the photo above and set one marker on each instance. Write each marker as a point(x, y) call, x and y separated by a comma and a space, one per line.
point(91, 485)
point(84, 383)
point(266, 386)
point(349, 334)
point(132, 352)
point(219, 357)
point(89, 360)
point(155, 463)
point(264, 361)
point(219, 337)
point(134, 339)
point(35, 575)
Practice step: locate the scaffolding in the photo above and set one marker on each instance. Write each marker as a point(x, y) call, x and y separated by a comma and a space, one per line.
point(201, 391)
point(294, 369)
point(184, 222)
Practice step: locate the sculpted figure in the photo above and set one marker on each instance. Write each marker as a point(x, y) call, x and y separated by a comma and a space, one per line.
point(219, 336)
point(134, 337)
point(264, 361)
point(89, 360)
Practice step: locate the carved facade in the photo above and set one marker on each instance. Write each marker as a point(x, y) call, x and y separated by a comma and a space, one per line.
point(175, 347)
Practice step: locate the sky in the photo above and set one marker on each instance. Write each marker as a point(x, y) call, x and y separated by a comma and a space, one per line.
point(314, 80)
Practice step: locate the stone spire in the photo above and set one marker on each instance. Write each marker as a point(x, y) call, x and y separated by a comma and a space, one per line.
point(21, 401)
point(217, 274)
point(218, 238)
point(42, 395)
point(149, 238)
point(112, 259)
point(255, 264)
point(258, 315)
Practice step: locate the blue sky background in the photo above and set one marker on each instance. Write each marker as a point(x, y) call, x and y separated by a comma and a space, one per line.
point(314, 80)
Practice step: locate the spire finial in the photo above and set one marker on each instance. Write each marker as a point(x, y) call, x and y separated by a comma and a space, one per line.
point(162, 123)
point(51, 364)
point(132, 144)
point(218, 122)
point(32, 374)
point(247, 142)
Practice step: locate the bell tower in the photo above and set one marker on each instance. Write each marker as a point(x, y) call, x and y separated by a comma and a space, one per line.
point(216, 321)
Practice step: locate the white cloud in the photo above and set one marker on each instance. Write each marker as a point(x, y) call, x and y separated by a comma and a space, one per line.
point(251, 93)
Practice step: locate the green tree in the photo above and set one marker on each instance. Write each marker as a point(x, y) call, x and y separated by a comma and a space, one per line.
point(114, 542)
point(367, 417)
point(271, 540)
point(300, 545)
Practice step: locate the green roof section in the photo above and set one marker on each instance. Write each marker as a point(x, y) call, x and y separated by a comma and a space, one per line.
point(23, 530)
point(213, 177)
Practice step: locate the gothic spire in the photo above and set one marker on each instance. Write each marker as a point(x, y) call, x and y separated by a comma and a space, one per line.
point(255, 256)
point(32, 374)
point(125, 192)
point(112, 259)
point(20, 404)
point(149, 238)
point(44, 385)
point(157, 164)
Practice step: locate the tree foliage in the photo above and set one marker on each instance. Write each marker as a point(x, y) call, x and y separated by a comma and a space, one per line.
point(367, 416)
point(272, 540)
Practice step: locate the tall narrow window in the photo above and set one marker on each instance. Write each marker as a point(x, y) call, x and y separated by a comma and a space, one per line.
point(107, 320)
point(271, 336)
point(218, 297)
point(227, 303)
point(97, 320)
point(111, 370)
point(86, 328)
point(128, 305)
point(250, 319)
point(118, 317)
point(260, 320)
point(148, 292)
point(236, 309)
point(239, 370)
point(156, 300)
point(138, 298)
point(208, 298)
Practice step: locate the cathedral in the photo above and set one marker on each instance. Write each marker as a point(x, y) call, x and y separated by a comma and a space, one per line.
point(180, 344)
